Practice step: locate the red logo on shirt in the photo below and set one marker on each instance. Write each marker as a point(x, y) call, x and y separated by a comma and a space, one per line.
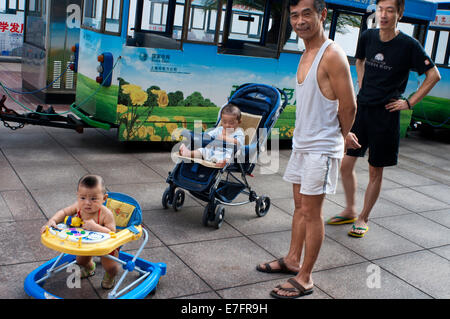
point(427, 62)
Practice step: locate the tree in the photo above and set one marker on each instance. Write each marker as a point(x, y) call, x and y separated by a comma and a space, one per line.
point(175, 98)
point(152, 98)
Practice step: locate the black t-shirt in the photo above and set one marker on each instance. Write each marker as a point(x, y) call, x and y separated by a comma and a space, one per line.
point(388, 64)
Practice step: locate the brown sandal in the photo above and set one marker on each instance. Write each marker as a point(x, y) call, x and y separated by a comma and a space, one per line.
point(297, 288)
point(283, 268)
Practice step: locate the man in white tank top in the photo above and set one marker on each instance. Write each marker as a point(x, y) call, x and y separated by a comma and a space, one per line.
point(326, 108)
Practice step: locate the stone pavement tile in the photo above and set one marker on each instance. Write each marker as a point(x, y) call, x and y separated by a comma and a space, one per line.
point(90, 138)
point(417, 229)
point(29, 156)
point(439, 192)
point(422, 159)
point(262, 290)
point(443, 251)
point(361, 281)
point(271, 185)
point(9, 179)
point(405, 177)
point(45, 175)
point(329, 208)
point(25, 139)
point(101, 154)
point(412, 200)
point(184, 226)
point(149, 195)
point(53, 198)
point(245, 220)
point(21, 205)
point(439, 216)
point(382, 207)
point(377, 243)
point(20, 242)
point(424, 270)
point(123, 173)
point(225, 263)
point(180, 279)
point(331, 255)
point(5, 213)
point(439, 175)
point(12, 278)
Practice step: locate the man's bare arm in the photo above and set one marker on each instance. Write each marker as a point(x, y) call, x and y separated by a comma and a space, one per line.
point(340, 78)
point(432, 76)
point(359, 64)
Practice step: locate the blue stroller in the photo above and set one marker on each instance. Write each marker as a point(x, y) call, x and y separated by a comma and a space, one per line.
point(260, 106)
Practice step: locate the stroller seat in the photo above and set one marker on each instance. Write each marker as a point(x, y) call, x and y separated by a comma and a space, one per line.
point(249, 124)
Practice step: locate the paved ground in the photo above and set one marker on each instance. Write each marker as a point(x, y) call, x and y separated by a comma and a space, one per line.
point(408, 244)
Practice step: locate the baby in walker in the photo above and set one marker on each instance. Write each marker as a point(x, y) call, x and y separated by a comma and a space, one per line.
point(229, 131)
point(91, 195)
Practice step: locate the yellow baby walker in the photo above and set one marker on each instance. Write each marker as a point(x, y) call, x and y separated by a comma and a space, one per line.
point(71, 240)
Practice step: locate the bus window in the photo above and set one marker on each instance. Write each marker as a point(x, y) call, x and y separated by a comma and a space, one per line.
point(158, 24)
point(406, 28)
point(441, 47)
point(92, 14)
point(429, 42)
point(202, 23)
point(11, 6)
point(347, 32)
point(36, 24)
point(113, 18)
point(252, 28)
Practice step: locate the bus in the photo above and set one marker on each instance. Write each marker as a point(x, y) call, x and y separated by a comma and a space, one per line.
point(150, 68)
point(434, 110)
point(11, 29)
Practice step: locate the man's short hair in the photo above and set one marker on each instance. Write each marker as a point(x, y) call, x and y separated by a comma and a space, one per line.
point(319, 5)
point(92, 181)
point(232, 110)
point(400, 5)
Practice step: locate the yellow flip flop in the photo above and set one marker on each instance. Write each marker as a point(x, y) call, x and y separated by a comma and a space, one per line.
point(342, 220)
point(359, 235)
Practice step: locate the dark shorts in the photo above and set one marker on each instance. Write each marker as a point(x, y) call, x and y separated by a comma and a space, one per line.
point(379, 131)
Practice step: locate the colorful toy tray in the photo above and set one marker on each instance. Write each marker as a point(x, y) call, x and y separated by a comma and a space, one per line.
point(80, 242)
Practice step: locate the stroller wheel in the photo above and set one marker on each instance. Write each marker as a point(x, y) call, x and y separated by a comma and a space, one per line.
point(178, 199)
point(220, 214)
point(165, 198)
point(208, 212)
point(262, 206)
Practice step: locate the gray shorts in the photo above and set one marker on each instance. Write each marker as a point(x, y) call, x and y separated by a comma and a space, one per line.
point(316, 173)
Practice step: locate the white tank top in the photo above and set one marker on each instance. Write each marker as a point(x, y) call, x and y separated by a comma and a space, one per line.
point(317, 128)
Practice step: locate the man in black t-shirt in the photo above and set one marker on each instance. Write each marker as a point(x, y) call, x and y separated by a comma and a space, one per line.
point(384, 58)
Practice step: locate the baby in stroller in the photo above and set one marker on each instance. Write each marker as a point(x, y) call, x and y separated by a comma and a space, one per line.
point(229, 132)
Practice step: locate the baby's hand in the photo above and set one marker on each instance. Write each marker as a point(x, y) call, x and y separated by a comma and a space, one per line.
point(90, 224)
point(50, 223)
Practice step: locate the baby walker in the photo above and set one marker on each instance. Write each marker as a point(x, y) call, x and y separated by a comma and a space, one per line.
point(71, 240)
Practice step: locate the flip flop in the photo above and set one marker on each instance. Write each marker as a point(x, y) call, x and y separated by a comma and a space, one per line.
point(297, 288)
point(343, 220)
point(283, 268)
point(359, 235)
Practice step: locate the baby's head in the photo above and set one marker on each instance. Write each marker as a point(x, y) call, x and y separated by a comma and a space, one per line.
point(230, 116)
point(91, 193)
